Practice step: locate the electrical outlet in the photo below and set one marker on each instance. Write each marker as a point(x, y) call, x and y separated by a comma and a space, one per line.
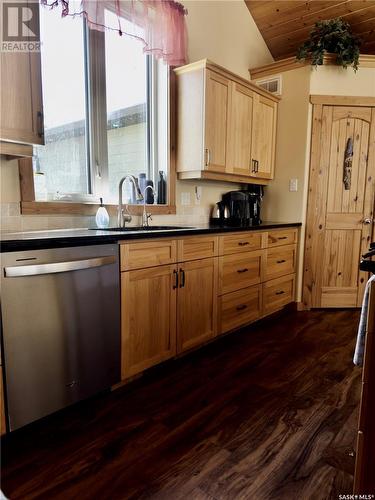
point(185, 198)
point(293, 185)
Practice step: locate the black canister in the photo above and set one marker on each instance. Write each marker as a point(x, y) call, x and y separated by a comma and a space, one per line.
point(162, 189)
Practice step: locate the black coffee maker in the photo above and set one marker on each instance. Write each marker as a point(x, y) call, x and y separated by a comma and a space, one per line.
point(239, 208)
point(255, 193)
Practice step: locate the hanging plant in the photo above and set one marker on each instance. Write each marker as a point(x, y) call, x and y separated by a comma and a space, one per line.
point(333, 36)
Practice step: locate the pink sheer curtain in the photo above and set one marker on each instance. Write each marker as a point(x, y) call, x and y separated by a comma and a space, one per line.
point(159, 24)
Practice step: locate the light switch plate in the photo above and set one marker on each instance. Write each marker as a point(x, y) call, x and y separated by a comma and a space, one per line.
point(293, 185)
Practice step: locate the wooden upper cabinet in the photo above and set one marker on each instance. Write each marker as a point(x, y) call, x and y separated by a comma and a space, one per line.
point(240, 130)
point(226, 126)
point(21, 118)
point(218, 91)
point(263, 137)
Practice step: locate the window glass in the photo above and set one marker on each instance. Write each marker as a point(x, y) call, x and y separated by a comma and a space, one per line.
point(61, 166)
point(127, 107)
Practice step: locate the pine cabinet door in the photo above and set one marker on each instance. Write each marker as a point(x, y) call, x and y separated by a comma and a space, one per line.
point(21, 118)
point(240, 131)
point(216, 121)
point(196, 305)
point(148, 317)
point(263, 137)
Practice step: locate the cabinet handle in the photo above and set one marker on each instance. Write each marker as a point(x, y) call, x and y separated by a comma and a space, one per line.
point(175, 274)
point(208, 156)
point(282, 237)
point(280, 292)
point(280, 261)
point(182, 278)
point(241, 307)
point(253, 165)
point(242, 270)
point(39, 124)
point(243, 243)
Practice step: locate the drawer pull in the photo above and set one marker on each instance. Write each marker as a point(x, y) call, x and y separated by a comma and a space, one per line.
point(242, 270)
point(282, 237)
point(182, 278)
point(241, 307)
point(280, 261)
point(280, 292)
point(243, 243)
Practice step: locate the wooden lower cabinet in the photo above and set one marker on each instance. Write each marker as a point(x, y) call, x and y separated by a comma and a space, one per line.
point(280, 261)
point(196, 303)
point(148, 301)
point(278, 293)
point(238, 308)
point(240, 270)
point(191, 289)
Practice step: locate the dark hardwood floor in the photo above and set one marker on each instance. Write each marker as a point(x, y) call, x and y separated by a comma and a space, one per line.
point(267, 413)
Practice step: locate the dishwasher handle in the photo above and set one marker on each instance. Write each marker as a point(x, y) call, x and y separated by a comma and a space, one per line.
point(58, 267)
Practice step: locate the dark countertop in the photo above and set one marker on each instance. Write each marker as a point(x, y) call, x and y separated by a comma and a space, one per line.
point(58, 238)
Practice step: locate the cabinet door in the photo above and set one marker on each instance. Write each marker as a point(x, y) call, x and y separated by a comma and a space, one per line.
point(148, 318)
point(216, 121)
point(196, 305)
point(239, 134)
point(21, 118)
point(263, 137)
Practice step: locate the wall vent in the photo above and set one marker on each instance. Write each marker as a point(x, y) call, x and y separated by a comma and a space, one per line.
point(273, 84)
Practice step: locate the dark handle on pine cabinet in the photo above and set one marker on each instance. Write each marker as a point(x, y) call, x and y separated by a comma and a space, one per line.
point(182, 278)
point(243, 243)
point(280, 293)
point(255, 168)
point(175, 274)
point(244, 270)
point(280, 261)
point(282, 237)
point(241, 307)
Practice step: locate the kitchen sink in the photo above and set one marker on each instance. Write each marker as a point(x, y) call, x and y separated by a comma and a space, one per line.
point(141, 228)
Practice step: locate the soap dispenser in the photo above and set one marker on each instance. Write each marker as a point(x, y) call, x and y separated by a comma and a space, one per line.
point(102, 217)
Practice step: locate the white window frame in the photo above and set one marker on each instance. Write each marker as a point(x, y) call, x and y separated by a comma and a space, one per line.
point(96, 122)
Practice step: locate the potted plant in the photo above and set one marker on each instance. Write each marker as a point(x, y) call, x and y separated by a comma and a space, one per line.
point(333, 36)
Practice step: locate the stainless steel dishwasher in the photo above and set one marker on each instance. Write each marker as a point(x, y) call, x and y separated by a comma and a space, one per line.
point(60, 313)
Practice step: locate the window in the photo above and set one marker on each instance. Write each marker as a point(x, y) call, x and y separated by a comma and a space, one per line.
point(106, 108)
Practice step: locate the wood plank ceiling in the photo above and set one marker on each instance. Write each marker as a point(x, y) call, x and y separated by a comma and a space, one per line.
point(285, 25)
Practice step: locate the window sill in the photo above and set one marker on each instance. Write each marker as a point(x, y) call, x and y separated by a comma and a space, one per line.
point(70, 208)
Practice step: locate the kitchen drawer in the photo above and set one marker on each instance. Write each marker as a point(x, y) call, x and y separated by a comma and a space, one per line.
point(240, 270)
point(139, 255)
point(277, 293)
point(241, 242)
point(280, 261)
point(239, 308)
point(282, 237)
point(200, 247)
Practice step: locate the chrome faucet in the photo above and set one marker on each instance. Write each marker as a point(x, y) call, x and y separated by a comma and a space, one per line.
point(146, 216)
point(121, 217)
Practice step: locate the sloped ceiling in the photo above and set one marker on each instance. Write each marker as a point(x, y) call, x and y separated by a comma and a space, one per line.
point(285, 25)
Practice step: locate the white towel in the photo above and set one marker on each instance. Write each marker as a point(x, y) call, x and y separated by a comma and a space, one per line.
point(361, 336)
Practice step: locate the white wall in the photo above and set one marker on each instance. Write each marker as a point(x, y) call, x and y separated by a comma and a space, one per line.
point(222, 31)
